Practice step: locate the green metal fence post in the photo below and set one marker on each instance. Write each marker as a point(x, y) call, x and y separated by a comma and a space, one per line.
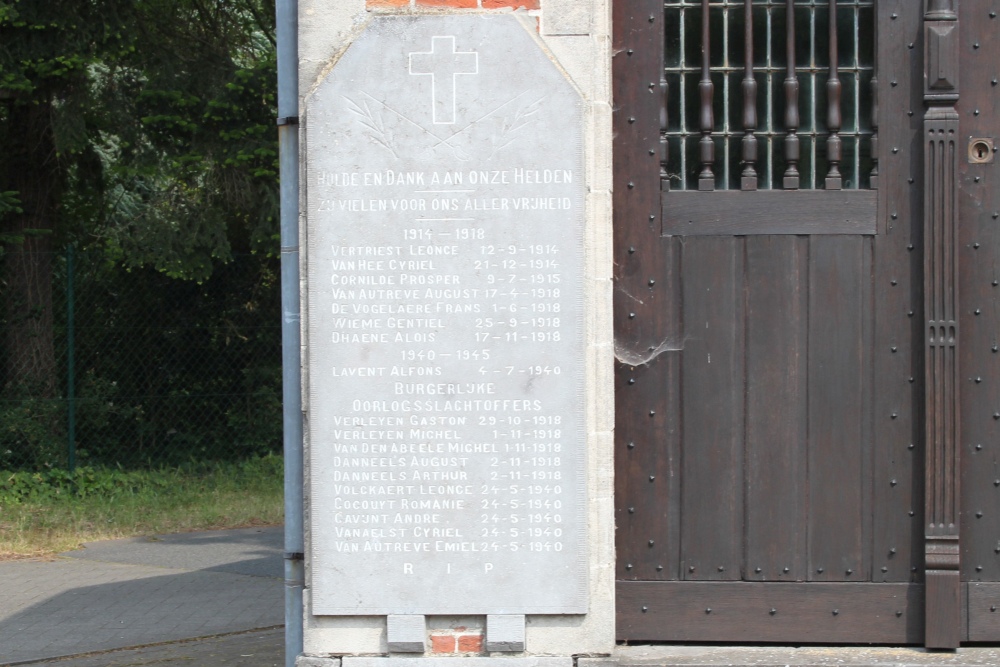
point(70, 361)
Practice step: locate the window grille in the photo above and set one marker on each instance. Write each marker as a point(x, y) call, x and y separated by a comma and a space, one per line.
point(741, 131)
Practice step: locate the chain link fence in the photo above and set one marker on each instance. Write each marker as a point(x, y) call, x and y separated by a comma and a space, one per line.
point(134, 369)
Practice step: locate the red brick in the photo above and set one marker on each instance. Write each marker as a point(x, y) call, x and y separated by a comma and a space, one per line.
point(497, 4)
point(470, 643)
point(388, 3)
point(442, 643)
point(455, 4)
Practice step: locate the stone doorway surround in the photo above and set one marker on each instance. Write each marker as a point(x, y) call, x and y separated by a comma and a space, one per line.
point(759, 656)
point(575, 36)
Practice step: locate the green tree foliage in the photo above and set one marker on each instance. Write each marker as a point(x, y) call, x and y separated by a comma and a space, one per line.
point(192, 166)
point(46, 50)
point(139, 129)
point(147, 125)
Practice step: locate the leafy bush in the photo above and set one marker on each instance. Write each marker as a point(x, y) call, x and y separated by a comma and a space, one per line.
point(57, 485)
point(53, 511)
point(29, 436)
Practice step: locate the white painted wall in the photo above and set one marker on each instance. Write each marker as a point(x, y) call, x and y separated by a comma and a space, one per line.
point(577, 35)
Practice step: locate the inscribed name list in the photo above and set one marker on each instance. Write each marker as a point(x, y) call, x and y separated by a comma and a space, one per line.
point(445, 339)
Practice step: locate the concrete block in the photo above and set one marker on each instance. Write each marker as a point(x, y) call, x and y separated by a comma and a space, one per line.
point(406, 633)
point(567, 17)
point(309, 661)
point(597, 662)
point(457, 662)
point(505, 632)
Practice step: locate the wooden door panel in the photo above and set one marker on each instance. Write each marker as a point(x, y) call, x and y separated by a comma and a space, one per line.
point(776, 409)
point(712, 419)
point(979, 257)
point(983, 600)
point(647, 463)
point(825, 212)
point(829, 613)
point(792, 398)
point(775, 386)
point(645, 310)
point(898, 416)
point(839, 408)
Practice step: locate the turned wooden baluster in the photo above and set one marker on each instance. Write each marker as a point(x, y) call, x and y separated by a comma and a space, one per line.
point(706, 179)
point(874, 84)
point(834, 146)
point(749, 178)
point(791, 179)
point(664, 126)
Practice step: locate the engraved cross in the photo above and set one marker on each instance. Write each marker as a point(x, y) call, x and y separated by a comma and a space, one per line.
point(443, 64)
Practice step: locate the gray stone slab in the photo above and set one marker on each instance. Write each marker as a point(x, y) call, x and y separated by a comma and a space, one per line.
point(505, 632)
point(446, 330)
point(457, 662)
point(406, 633)
point(309, 661)
point(256, 552)
point(815, 656)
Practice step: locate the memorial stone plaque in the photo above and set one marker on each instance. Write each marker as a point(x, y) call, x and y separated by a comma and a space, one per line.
point(445, 199)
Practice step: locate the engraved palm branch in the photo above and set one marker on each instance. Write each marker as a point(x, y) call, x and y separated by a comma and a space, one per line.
point(373, 121)
point(522, 117)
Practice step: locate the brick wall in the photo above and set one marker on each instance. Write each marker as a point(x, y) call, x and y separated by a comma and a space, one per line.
point(457, 640)
point(456, 4)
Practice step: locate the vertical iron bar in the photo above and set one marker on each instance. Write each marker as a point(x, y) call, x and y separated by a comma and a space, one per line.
point(664, 127)
point(874, 140)
point(813, 125)
point(749, 178)
point(71, 357)
point(727, 122)
point(834, 145)
point(706, 179)
point(682, 94)
point(855, 174)
point(792, 149)
point(769, 98)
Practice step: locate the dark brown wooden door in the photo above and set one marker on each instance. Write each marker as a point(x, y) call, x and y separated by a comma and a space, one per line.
point(800, 427)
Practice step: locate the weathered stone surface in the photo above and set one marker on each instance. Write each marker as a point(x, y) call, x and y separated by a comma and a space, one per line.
point(806, 656)
point(505, 632)
point(406, 633)
point(445, 207)
point(567, 17)
point(457, 662)
point(307, 661)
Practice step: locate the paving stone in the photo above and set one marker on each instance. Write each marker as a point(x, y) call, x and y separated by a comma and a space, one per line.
point(817, 656)
point(307, 661)
point(348, 661)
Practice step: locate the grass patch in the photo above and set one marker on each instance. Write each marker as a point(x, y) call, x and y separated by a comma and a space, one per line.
point(50, 512)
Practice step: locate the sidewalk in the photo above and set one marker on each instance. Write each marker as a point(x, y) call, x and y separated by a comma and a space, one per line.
point(142, 591)
point(257, 648)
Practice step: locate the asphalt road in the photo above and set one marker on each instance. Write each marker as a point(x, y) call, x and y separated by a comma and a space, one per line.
point(144, 592)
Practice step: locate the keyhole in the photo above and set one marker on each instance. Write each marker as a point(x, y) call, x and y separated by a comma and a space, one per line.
point(980, 151)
